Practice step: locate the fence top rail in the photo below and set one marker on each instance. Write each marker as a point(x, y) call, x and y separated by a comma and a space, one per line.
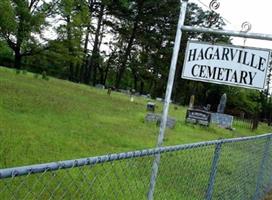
point(53, 166)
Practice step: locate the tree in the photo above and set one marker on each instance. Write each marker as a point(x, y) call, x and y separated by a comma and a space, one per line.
point(103, 13)
point(93, 62)
point(6, 57)
point(21, 24)
point(131, 15)
point(74, 18)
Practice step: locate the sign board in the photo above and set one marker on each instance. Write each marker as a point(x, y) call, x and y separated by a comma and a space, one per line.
point(226, 64)
point(198, 117)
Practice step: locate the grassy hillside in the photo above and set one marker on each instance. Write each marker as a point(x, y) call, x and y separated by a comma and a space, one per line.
point(43, 121)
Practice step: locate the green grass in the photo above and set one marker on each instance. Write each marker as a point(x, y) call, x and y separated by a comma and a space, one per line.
point(43, 121)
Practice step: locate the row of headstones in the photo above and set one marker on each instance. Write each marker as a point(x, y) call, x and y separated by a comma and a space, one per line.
point(220, 108)
point(203, 117)
point(218, 118)
point(151, 116)
point(127, 92)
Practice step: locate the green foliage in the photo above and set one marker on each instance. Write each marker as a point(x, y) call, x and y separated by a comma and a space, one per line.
point(6, 56)
point(20, 23)
point(7, 17)
point(246, 100)
point(68, 49)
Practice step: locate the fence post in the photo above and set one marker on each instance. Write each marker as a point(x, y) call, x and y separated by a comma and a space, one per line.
point(262, 168)
point(216, 157)
point(269, 187)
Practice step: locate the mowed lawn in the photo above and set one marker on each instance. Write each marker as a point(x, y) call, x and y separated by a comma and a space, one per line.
point(44, 121)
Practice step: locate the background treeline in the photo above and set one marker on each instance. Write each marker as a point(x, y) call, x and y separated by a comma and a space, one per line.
point(124, 44)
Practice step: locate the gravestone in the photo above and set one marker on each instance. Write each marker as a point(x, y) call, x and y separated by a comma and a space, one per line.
point(109, 91)
point(221, 106)
point(159, 99)
point(124, 91)
point(150, 107)
point(197, 116)
point(152, 117)
point(219, 118)
point(207, 108)
point(192, 101)
point(100, 86)
point(242, 115)
point(131, 93)
point(144, 96)
point(223, 120)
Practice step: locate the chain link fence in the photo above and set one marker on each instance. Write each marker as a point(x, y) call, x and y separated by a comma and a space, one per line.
point(238, 168)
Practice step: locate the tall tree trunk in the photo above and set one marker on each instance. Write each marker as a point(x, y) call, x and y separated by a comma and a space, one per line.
point(70, 48)
point(135, 82)
point(85, 69)
point(17, 59)
point(108, 67)
point(151, 84)
point(119, 75)
point(178, 82)
point(270, 118)
point(84, 73)
point(154, 90)
point(142, 87)
point(98, 66)
point(93, 62)
point(17, 46)
point(255, 122)
point(101, 73)
point(106, 74)
point(71, 72)
point(135, 79)
point(77, 72)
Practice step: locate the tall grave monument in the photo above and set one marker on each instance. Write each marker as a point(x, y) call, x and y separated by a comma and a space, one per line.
point(221, 106)
point(219, 117)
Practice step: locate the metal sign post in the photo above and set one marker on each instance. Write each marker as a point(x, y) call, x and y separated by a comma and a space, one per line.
point(168, 96)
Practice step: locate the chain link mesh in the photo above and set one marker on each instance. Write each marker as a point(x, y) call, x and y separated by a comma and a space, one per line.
point(238, 170)
point(226, 169)
point(184, 174)
point(123, 179)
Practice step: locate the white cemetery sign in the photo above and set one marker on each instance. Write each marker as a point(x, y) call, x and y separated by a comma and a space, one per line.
point(226, 64)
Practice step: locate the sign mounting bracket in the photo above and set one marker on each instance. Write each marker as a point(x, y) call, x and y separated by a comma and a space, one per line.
point(242, 34)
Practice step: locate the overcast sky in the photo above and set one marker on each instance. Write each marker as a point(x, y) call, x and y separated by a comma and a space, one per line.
point(258, 13)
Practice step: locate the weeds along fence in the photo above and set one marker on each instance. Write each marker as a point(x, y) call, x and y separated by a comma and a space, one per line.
point(243, 123)
point(238, 168)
